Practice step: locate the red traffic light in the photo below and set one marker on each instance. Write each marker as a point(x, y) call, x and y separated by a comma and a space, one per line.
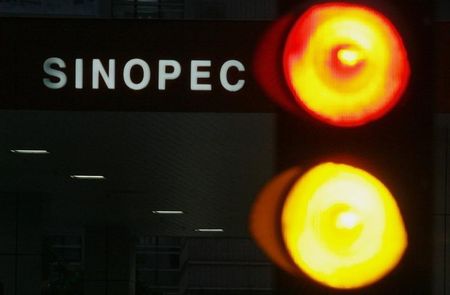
point(345, 64)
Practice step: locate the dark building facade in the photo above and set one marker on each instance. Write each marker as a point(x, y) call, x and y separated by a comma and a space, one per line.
point(62, 235)
point(66, 236)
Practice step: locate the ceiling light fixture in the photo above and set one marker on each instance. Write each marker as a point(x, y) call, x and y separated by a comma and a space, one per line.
point(31, 152)
point(88, 177)
point(210, 230)
point(167, 212)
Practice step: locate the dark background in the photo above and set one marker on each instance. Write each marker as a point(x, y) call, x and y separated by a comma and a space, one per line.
point(60, 236)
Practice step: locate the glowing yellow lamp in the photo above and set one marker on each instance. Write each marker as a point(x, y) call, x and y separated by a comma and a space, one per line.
point(342, 226)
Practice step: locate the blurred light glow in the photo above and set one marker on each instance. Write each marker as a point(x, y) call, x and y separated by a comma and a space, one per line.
point(167, 212)
point(349, 57)
point(342, 226)
point(264, 219)
point(210, 230)
point(345, 64)
point(31, 152)
point(88, 177)
point(347, 220)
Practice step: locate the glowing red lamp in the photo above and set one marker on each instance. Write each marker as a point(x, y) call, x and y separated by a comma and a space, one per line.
point(345, 64)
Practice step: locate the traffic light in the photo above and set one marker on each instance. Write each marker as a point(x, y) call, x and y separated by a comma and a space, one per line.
point(345, 63)
point(354, 214)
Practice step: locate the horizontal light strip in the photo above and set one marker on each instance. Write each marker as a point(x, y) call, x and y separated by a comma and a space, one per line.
point(89, 177)
point(210, 230)
point(31, 152)
point(168, 212)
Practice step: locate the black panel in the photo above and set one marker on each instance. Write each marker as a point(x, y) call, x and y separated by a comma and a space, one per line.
point(29, 42)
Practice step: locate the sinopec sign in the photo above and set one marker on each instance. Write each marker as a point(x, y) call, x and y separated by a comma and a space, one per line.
point(129, 65)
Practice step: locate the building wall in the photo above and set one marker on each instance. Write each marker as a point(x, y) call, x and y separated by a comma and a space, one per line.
point(442, 10)
point(164, 9)
point(20, 243)
point(51, 8)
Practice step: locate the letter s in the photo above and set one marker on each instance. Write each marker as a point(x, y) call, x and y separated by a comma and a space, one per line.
point(62, 78)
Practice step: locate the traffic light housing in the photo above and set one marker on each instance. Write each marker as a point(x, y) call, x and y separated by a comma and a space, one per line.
point(389, 142)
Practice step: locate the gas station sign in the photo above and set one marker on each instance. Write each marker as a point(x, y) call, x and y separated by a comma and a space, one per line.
point(130, 65)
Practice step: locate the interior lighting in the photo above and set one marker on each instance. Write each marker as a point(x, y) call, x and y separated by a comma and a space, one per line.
point(210, 230)
point(88, 177)
point(31, 152)
point(167, 212)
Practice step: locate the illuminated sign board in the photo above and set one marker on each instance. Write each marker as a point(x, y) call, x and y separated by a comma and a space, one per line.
point(130, 65)
point(168, 69)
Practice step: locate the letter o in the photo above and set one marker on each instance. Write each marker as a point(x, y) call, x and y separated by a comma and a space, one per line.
point(127, 74)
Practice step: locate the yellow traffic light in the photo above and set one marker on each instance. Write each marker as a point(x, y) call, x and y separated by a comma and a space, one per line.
point(339, 224)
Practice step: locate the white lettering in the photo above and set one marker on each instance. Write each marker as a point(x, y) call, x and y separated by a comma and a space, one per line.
point(145, 74)
point(98, 70)
point(223, 75)
point(197, 74)
point(168, 70)
point(164, 75)
point(79, 73)
point(62, 78)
